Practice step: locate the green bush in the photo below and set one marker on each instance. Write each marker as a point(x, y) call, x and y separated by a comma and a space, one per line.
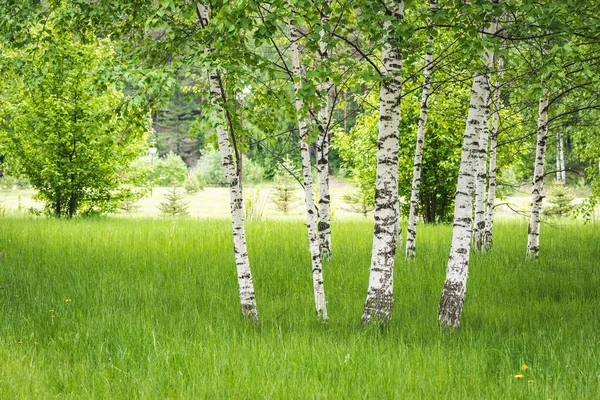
point(170, 170)
point(7, 183)
point(211, 170)
point(253, 173)
point(194, 183)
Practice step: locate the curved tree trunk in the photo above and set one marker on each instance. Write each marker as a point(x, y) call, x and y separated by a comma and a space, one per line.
point(455, 286)
point(533, 239)
point(323, 155)
point(378, 305)
point(489, 217)
point(236, 200)
point(411, 234)
point(311, 217)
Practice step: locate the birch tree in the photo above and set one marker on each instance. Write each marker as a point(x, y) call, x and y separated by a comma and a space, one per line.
point(487, 239)
point(480, 185)
point(533, 238)
point(325, 87)
point(378, 305)
point(311, 217)
point(236, 199)
point(454, 291)
point(416, 179)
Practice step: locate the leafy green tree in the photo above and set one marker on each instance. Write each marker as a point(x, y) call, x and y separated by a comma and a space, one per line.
point(70, 131)
point(170, 170)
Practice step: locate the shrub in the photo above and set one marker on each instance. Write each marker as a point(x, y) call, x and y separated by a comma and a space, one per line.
point(7, 183)
point(253, 172)
point(194, 183)
point(211, 170)
point(170, 170)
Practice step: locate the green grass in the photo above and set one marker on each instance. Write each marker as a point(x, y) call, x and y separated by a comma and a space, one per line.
point(154, 314)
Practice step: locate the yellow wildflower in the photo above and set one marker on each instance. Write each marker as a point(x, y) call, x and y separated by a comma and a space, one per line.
point(51, 310)
point(530, 381)
point(68, 300)
point(519, 376)
point(524, 367)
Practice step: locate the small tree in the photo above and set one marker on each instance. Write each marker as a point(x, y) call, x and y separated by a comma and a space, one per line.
point(561, 203)
point(193, 183)
point(359, 202)
point(284, 196)
point(170, 170)
point(174, 204)
point(68, 129)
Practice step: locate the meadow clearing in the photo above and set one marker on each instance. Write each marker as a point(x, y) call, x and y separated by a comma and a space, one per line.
point(148, 308)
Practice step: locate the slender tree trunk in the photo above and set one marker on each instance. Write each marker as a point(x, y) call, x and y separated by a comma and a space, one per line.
point(245, 283)
point(378, 305)
point(323, 154)
point(411, 235)
point(480, 185)
point(558, 175)
point(453, 294)
point(311, 217)
point(563, 172)
point(489, 217)
point(455, 287)
point(533, 240)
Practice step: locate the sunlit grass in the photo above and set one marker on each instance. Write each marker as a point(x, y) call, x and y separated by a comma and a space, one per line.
point(153, 313)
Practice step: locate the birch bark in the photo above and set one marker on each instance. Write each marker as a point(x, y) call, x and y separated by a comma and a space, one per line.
point(533, 239)
point(488, 235)
point(411, 234)
point(323, 153)
point(563, 172)
point(480, 186)
point(558, 175)
point(455, 286)
point(378, 305)
point(311, 217)
point(245, 283)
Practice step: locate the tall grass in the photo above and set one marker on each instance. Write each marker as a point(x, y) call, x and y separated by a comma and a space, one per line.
point(152, 312)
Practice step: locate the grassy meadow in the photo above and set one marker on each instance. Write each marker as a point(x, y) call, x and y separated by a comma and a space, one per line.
point(148, 308)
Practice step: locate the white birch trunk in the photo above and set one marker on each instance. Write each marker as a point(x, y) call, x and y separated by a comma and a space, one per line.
point(533, 240)
point(488, 236)
point(411, 234)
point(378, 305)
point(480, 188)
point(323, 156)
point(558, 175)
point(311, 217)
point(245, 283)
point(453, 293)
point(563, 171)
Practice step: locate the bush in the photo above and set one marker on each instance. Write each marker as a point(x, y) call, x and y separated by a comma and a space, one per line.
point(141, 172)
point(7, 183)
point(194, 183)
point(170, 170)
point(253, 172)
point(211, 170)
